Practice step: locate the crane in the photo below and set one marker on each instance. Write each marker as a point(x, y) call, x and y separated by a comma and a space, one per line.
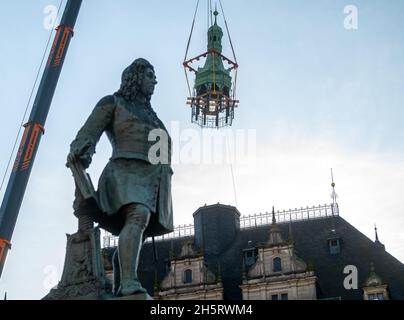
point(34, 128)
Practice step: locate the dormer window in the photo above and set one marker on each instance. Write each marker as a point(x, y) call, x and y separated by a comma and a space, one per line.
point(334, 246)
point(277, 264)
point(188, 276)
point(249, 257)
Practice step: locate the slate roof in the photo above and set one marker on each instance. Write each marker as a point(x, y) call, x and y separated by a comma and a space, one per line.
point(310, 237)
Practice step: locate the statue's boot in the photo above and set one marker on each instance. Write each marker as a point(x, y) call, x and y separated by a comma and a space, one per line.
point(117, 269)
point(129, 246)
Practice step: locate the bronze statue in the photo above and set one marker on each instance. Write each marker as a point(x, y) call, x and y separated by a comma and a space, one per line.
point(133, 199)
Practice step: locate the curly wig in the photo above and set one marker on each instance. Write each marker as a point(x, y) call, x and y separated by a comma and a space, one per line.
point(132, 78)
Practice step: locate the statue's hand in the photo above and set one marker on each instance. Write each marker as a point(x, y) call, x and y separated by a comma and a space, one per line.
point(83, 154)
point(70, 158)
point(85, 159)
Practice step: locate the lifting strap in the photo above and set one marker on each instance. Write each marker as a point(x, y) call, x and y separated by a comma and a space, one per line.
point(189, 41)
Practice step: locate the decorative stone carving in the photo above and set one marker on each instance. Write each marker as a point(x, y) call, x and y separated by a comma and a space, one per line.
point(83, 274)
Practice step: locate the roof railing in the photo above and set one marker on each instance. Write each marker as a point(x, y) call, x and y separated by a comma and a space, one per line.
point(250, 221)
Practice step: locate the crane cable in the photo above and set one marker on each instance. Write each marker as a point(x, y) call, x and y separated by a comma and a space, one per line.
point(232, 49)
point(234, 95)
point(30, 98)
point(231, 168)
point(210, 12)
point(213, 54)
point(228, 32)
point(189, 41)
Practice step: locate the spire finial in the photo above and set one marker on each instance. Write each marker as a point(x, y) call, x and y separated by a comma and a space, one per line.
point(334, 206)
point(216, 13)
point(333, 193)
point(275, 236)
point(377, 236)
point(377, 241)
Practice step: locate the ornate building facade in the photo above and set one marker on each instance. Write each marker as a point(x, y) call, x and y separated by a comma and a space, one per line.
point(189, 278)
point(299, 254)
point(277, 273)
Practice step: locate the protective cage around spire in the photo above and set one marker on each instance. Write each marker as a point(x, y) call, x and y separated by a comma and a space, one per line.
point(213, 97)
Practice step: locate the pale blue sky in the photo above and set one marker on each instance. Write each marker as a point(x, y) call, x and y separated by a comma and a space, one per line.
point(308, 86)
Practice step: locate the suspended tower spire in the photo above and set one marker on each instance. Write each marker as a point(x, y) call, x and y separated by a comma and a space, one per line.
point(212, 99)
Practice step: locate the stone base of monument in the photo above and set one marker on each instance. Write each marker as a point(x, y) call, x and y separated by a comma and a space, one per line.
point(137, 296)
point(83, 275)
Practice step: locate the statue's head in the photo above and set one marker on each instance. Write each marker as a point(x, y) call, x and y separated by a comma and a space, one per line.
point(138, 81)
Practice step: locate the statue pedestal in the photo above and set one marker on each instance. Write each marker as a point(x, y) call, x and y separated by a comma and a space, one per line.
point(137, 296)
point(83, 274)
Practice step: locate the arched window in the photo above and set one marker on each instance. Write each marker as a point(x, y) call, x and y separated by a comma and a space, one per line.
point(188, 276)
point(277, 264)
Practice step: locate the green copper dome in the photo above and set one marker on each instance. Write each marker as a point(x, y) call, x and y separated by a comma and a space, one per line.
point(213, 76)
point(215, 35)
